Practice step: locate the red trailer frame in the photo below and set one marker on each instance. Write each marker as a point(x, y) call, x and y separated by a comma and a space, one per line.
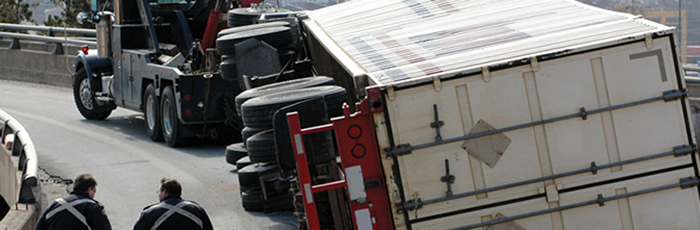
point(364, 182)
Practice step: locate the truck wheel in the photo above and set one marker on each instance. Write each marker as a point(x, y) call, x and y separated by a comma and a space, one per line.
point(227, 57)
point(228, 70)
point(248, 132)
point(258, 112)
point(234, 152)
point(226, 48)
point(261, 147)
point(252, 200)
point(281, 87)
point(277, 37)
point(251, 27)
point(249, 176)
point(243, 162)
point(151, 113)
point(246, 16)
point(278, 203)
point(318, 146)
point(84, 96)
point(170, 124)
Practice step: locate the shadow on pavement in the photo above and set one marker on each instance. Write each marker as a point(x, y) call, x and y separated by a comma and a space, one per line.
point(132, 126)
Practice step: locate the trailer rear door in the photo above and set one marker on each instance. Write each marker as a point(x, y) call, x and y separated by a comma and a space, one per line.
point(593, 140)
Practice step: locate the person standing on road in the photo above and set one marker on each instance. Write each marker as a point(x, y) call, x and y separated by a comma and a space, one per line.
point(77, 210)
point(172, 212)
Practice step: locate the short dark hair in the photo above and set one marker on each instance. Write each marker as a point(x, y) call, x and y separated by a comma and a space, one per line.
point(171, 186)
point(83, 182)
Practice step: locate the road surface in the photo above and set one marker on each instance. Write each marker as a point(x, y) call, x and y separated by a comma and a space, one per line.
point(126, 163)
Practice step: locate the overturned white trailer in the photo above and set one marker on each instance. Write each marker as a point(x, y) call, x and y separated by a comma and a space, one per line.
point(538, 114)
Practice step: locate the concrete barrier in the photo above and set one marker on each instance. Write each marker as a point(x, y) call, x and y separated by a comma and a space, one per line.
point(35, 63)
point(19, 185)
point(20, 216)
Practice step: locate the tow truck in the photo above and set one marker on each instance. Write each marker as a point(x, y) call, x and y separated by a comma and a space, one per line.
point(153, 56)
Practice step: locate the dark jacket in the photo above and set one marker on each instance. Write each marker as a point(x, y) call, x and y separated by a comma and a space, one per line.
point(92, 210)
point(151, 214)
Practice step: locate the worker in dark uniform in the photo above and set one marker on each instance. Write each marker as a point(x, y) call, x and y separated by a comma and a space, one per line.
point(77, 210)
point(172, 212)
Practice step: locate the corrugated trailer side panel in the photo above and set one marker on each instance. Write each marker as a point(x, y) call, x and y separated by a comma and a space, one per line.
point(567, 118)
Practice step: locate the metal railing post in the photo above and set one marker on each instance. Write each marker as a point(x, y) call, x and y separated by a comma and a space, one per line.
point(5, 130)
point(17, 144)
point(14, 45)
point(58, 49)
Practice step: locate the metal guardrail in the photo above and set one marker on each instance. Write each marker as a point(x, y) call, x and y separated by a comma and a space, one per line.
point(46, 39)
point(689, 79)
point(23, 147)
point(691, 68)
point(58, 49)
point(48, 29)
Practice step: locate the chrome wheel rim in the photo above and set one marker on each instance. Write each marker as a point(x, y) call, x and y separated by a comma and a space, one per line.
point(85, 94)
point(167, 117)
point(150, 115)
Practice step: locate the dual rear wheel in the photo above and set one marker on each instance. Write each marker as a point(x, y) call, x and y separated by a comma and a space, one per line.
point(160, 115)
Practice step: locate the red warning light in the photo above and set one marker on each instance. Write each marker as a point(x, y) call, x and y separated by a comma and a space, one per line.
point(188, 112)
point(188, 97)
point(84, 49)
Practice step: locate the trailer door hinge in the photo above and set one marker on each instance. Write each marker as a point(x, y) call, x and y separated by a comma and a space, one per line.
point(390, 92)
point(648, 41)
point(399, 150)
point(534, 64)
point(437, 84)
point(485, 74)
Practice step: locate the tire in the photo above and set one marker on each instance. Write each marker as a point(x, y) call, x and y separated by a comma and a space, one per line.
point(247, 16)
point(84, 97)
point(261, 147)
point(234, 152)
point(281, 87)
point(252, 200)
point(278, 203)
point(278, 37)
point(251, 27)
point(151, 113)
point(227, 57)
point(318, 146)
point(249, 176)
point(226, 48)
point(247, 132)
point(170, 124)
point(258, 112)
point(228, 70)
point(242, 17)
point(243, 162)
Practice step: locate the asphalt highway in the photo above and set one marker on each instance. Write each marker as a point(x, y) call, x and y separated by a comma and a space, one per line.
point(126, 163)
